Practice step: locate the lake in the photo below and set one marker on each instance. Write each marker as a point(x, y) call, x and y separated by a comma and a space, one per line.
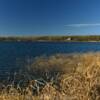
point(14, 55)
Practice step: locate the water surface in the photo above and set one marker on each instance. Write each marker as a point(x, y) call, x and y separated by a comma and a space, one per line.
point(14, 55)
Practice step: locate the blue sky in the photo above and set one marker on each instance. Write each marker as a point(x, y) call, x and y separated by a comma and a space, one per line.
point(49, 17)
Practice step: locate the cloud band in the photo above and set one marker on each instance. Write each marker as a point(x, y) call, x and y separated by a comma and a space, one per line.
point(82, 25)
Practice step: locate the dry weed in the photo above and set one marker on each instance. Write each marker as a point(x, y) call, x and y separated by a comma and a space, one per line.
point(65, 77)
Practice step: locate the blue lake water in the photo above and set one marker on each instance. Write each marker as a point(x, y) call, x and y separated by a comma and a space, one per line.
point(13, 55)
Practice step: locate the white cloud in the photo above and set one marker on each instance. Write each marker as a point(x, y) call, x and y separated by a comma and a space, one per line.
point(82, 25)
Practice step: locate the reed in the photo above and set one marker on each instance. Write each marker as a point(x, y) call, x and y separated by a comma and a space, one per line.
point(60, 77)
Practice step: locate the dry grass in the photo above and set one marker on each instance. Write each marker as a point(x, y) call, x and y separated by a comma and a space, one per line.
point(63, 77)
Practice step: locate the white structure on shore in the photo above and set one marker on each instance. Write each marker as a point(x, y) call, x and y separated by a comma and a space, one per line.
point(68, 39)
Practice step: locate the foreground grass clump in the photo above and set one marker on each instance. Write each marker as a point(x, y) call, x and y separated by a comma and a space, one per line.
point(60, 77)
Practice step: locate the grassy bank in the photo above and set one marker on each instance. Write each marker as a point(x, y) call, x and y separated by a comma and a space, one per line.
point(59, 77)
point(52, 38)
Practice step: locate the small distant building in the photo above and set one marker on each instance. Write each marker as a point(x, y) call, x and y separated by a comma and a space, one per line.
point(68, 39)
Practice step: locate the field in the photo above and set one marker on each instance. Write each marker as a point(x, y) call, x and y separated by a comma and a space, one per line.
point(58, 77)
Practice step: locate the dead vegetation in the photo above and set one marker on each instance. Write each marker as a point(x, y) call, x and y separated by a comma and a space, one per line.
point(60, 77)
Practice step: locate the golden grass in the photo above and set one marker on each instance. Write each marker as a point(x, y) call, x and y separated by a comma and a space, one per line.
point(67, 77)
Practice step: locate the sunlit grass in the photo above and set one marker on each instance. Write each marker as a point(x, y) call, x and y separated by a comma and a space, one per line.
point(59, 77)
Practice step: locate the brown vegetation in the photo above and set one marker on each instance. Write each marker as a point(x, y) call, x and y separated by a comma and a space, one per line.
point(63, 77)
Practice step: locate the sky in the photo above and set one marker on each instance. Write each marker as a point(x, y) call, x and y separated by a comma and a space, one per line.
point(49, 17)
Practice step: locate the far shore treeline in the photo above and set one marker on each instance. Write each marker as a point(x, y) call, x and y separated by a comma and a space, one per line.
point(91, 38)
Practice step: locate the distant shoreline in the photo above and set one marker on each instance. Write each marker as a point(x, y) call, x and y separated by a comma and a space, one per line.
point(91, 38)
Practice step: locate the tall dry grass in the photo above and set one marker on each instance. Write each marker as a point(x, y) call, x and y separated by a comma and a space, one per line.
point(59, 77)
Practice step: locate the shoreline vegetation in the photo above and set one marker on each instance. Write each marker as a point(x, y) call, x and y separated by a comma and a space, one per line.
point(60, 77)
point(89, 38)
